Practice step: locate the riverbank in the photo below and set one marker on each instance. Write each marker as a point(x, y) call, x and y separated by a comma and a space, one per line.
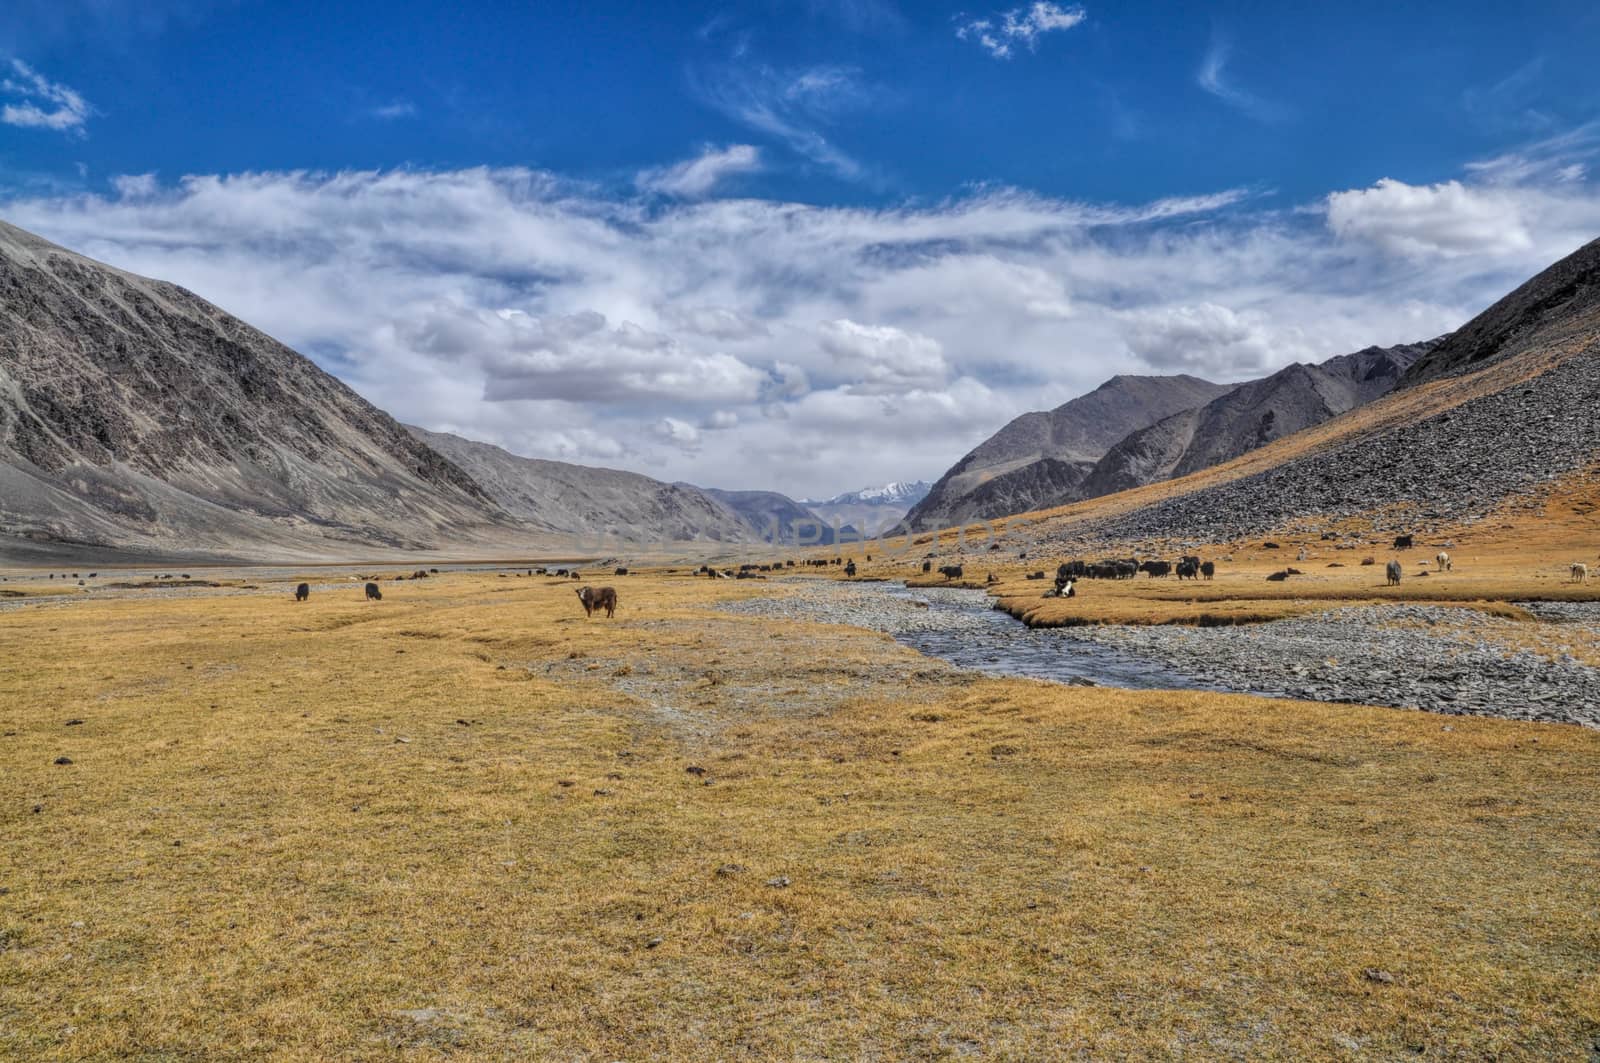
point(1520, 661)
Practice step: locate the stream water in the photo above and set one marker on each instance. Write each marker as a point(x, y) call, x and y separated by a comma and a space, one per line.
point(962, 627)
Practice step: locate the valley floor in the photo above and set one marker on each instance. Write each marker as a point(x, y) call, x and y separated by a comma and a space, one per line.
point(466, 820)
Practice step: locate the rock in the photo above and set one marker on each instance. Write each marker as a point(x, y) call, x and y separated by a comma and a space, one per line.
point(1372, 974)
point(779, 883)
point(63, 760)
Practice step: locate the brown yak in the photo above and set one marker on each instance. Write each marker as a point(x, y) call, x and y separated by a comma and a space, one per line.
point(598, 598)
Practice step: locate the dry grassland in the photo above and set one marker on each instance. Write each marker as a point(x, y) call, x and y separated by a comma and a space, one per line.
point(462, 822)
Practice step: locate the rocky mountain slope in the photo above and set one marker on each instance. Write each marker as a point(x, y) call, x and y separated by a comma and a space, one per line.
point(1559, 300)
point(136, 416)
point(1252, 415)
point(584, 502)
point(1499, 415)
point(995, 478)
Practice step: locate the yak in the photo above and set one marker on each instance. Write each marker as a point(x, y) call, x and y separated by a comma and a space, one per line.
point(598, 598)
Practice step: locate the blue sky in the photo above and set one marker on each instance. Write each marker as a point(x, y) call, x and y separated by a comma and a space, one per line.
point(810, 244)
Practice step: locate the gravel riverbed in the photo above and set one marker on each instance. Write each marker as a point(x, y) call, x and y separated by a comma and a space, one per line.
point(1440, 659)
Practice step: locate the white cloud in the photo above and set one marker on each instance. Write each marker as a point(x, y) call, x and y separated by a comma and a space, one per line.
point(791, 106)
point(699, 176)
point(1441, 219)
point(883, 360)
point(1211, 340)
point(680, 434)
point(717, 322)
point(1213, 78)
point(135, 185)
point(1000, 34)
point(809, 348)
point(393, 111)
point(576, 358)
point(40, 103)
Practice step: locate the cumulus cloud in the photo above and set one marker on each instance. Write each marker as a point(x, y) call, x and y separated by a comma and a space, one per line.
point(680, 434)
point(135, 185)
point(700, 176)
point(883, 359)
point(39, 103)
point(578, 358)
point(1441, 219)
point(810, 349)
point(1000, 34)
point(1211, 340)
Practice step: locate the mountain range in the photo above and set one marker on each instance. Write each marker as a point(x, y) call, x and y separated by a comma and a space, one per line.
point(872, 510)
point(138, 420)
point(1490, 419)
point(1133, 431)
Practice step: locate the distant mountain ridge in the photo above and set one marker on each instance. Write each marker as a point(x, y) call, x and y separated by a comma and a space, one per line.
point(1250, 416)
point(1003, 474)
point(871, 511)
point(1513, 421)
point(1228, 421)
point(895, 492)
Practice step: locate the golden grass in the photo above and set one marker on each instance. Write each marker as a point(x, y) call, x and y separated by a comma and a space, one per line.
point(279, 838)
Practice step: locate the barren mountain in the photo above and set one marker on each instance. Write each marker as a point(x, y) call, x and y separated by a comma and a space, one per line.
point(136, 416)
point(577, 500)
point(1250, 416)
point(994, 479)
point(1501, 410)
point(1561, 299)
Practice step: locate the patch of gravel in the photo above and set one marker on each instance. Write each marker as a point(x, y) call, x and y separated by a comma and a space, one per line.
point(1439, 659)
point(885, 607)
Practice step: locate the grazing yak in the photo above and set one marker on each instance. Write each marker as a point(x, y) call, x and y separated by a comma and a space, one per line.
point(1393, 571)
point(1156, 568)
point(373, 593)
point(950, 571)
point(1188, 568)
point(302, 592)
point(1442, 562)
point(850, 569)
point(1402, 542)
point(1580, 572)
point(1208, 569)
point(598, 598)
